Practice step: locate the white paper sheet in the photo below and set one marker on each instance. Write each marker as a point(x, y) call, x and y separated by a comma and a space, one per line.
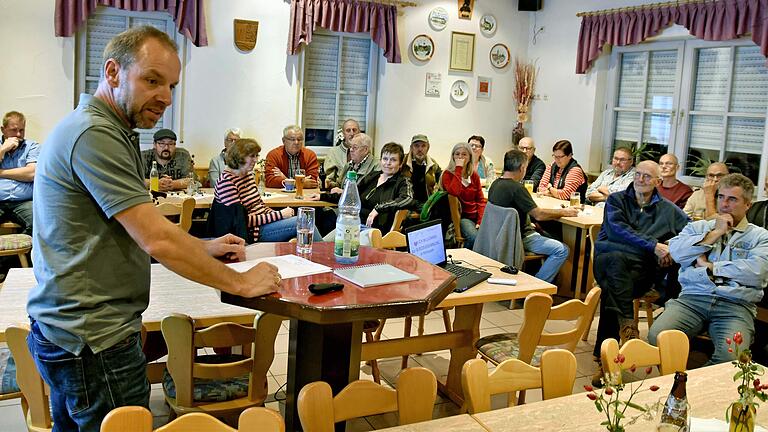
point(289, 266)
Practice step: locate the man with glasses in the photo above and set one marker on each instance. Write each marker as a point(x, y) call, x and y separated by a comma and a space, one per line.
point(702, 204)
point(173, 164)
point(422, 169)
point(670, 187)
point(338, 157)
point(631, 256)
point(614, 179)
point(536, 166)
point(283, 162)
point(361, 159)
point(217, 162)
point(18, 161)
point(724, 267)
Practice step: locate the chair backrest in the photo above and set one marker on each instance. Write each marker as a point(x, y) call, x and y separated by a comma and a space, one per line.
point(35, 403)
point(555, 376)
point(594, 230)
point(670, 356)
point(182, 211)
point(455, 206)
point(414, 400)
point(139, 419)
point(184, 340)
point(400, 216)
point(393, 240)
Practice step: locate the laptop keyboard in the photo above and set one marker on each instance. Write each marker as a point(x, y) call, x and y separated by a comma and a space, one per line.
point(458, 270)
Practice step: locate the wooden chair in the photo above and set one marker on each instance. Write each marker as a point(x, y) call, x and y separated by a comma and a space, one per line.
point(192, 377)
point(455, 206)
point(413, 400)
point(594, 230)
point(670, 356)
point(16, 244)
point(400, 217)
point(532, 340)
point(139, 419)
point(9, 227)
point(554, 377)
point(34, 399)
point(181, 212)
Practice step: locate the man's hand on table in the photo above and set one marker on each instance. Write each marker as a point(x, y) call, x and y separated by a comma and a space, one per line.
point(229, 247)
point(261, 279)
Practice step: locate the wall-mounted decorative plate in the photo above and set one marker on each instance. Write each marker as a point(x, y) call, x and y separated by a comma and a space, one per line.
point(438, 18)
point(488, 24)
point(499, 55)
point(460, 91)
point(422, 47)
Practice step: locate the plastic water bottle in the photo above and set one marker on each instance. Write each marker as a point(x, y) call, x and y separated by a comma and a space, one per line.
point(262, 185)
point(154, 178)
point(347, 245)
point(490, 176)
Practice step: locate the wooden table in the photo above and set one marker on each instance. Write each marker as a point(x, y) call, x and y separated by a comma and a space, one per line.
point(272, 198)
point(710, 390)
point(575, 230)
point(457, 423)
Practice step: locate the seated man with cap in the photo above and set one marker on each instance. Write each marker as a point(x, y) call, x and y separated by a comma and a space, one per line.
point(173, 164)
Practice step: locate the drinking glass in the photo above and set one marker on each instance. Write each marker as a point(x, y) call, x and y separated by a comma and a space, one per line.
point(575, 199)
point(529, 186)
point(299, 176)
point(305, 230)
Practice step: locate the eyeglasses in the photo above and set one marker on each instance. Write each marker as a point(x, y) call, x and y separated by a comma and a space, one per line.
point(715, 175)
point(476, 146)
point(559, 157)
point(524, 149)
point(230, 140)
point(622, 160)
point(294, 139)
point(356, 148)
point(644, 176)
point(166, 144)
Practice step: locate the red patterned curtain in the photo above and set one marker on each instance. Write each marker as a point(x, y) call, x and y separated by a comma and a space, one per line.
point(713, 21)
point(189, 15)
point(349, 16)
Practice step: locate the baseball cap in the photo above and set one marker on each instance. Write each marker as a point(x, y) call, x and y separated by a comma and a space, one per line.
point(164, 133)
point(420, 137)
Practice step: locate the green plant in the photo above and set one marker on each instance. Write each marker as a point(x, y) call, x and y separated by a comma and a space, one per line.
point(700, 166)
point(642, 152)
point(610, 403)
point(750, 387)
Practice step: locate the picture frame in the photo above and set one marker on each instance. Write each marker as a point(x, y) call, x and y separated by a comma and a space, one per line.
point(499, 56)
point(438, 18)
point(433, 84)
point(462, 51)
point(422, 47)
point(483, 87)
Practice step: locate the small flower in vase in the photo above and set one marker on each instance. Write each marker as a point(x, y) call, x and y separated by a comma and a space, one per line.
point(741, 413)
point(610, 403)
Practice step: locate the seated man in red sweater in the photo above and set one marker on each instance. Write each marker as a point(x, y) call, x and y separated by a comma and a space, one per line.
point(283, 162)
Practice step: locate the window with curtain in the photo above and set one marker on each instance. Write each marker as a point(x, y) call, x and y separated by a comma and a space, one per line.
point(102, 26)
point(339, 70)
point(702, 101)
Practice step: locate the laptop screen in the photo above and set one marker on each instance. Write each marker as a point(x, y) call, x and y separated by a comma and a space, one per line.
point(426, 242)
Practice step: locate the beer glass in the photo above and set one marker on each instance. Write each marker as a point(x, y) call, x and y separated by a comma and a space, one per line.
point(299, 177)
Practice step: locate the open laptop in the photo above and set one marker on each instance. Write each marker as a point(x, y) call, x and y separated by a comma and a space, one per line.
point(426, 241)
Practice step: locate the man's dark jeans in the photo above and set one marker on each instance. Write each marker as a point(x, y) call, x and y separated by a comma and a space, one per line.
point(624, 277)
point(19, 212)
point(85, 388)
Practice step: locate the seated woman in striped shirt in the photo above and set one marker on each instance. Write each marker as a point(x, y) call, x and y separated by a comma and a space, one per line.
point(236, 185)
point(564, 176)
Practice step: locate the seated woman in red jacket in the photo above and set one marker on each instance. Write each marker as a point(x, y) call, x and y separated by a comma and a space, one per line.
point(461, 180)
point(236, 185)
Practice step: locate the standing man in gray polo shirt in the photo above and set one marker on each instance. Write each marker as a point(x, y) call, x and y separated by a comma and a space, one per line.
point(95, 228)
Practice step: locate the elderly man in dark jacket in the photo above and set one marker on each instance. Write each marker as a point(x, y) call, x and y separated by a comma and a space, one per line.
point(631, 255)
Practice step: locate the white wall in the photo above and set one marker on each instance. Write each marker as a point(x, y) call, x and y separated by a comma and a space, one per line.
point(37, 69)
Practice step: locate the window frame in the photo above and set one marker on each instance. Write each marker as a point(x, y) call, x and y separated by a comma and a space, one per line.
point(373, 67)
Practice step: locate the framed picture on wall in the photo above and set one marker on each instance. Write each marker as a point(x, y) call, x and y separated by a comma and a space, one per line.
point(422, 47)
point(433, 84)
point(483, 87)
point(462, 51)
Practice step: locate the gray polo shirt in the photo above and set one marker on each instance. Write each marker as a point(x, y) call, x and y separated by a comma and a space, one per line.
point(92, 278)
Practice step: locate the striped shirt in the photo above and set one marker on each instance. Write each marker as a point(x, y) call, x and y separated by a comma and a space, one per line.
point(573, 180)
point(233, 189)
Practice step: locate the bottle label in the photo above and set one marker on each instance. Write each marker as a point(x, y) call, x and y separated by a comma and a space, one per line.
point(675, 412)
point(347, 241)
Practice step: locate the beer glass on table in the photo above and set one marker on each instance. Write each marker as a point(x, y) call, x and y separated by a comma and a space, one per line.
point(299, 177)
point(576, 200)
point(529, 186)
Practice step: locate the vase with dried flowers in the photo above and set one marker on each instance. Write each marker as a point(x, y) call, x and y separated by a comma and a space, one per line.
point(525, 81)
point(609, 400)
point(741, 413)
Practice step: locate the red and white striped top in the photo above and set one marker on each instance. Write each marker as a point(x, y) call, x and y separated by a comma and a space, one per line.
point(234, 189)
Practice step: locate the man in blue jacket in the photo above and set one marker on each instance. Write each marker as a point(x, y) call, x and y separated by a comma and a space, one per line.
point(631, 255)
point(723, 270)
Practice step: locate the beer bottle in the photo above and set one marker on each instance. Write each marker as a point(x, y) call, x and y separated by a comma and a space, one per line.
point(154, 178)
point(675, 410)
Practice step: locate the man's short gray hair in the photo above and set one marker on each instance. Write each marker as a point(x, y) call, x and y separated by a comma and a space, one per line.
point(291, 128)
point(742, 181)
point(514, 159)
point(233, 131)
point(124, 47)
point(13, 114)
point(363, 140)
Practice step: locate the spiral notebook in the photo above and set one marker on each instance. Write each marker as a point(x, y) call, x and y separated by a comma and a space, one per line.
point(374, 274)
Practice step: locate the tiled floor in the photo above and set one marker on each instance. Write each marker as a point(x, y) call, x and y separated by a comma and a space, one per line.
point(496, 319)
